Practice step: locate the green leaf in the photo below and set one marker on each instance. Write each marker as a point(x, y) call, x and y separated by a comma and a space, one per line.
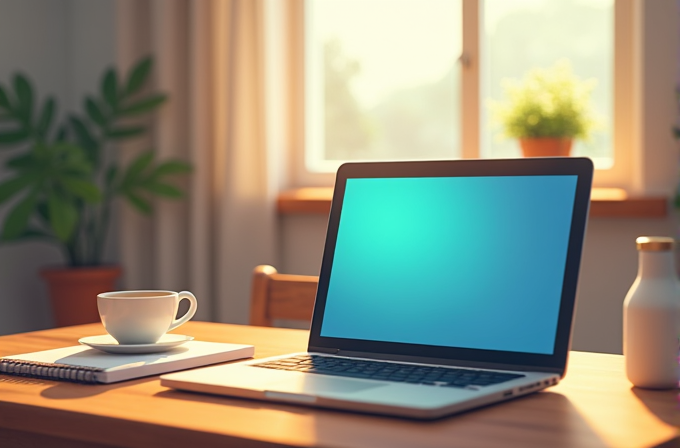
point(145, 105)
point(136, 168)
point(13, 186)
point(63, 216)
point(17, 219)
point(137, 202)
point(22, 162)
point(4, 99)
point(138, 75)
point(95, 113)
point(45, 120)
point(111, 175)
point(13, 136)
point(110, 88)
point(62, 133)
point(161, 189)
point(70, 158)
point(83, 189)
point(83, 133)
point(122, 133)
point(24, 93)
point(77, 168)
point(85, 138)
point(43, 211)
point(171, 167)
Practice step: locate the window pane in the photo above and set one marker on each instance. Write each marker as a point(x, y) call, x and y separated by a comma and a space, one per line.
point(519, 35)
point(382, 80)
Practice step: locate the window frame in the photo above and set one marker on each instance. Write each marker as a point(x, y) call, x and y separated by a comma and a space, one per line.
point(633, 76)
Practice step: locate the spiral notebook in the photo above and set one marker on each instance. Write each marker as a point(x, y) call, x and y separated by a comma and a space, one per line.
point(85, 365)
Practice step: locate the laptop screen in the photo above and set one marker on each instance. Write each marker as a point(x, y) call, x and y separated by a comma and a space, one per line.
point(467, 262)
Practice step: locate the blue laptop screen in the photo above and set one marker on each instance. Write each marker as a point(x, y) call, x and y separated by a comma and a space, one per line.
point(466, 262)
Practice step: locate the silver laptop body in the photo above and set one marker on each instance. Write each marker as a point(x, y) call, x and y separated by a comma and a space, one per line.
point(462, 271)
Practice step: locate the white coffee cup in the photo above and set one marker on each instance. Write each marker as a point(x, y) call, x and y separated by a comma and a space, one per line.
point(142, 317)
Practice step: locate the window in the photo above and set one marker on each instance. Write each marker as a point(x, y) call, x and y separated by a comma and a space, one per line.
point(410, 79)
point(383, 80)
point(518, 35)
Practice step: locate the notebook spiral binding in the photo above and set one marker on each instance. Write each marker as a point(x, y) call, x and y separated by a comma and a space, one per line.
point(63, 372)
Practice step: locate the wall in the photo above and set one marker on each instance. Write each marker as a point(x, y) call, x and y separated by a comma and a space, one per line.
point(63, 46)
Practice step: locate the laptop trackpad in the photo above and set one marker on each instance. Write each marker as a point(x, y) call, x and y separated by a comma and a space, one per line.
point(319, 385)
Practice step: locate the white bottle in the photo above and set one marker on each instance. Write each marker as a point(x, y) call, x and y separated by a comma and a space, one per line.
point(651, 317)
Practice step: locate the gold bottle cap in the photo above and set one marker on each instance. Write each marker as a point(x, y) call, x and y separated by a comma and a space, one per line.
point(654, 243)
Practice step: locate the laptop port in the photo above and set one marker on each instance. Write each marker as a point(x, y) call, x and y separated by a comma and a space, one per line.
point(529, 386)
point(507, 394)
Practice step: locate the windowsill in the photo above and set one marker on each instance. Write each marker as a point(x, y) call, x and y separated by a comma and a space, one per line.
point(605, 203)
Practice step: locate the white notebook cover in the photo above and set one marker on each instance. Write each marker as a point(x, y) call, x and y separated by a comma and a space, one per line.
point(83, 364)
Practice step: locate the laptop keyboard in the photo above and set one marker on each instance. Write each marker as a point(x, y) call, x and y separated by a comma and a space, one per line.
point(390, 371)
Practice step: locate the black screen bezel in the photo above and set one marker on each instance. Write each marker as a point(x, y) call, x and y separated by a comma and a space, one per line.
point(575, 166)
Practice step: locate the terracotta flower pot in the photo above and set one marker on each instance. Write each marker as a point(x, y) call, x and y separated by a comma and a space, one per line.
point(546, 147)
point(73, 292)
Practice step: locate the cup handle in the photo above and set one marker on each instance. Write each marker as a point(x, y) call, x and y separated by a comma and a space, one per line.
point(189, 314)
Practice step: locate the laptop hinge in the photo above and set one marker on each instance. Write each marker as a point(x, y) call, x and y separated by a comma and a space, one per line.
point(438, 361)
point(332, 351)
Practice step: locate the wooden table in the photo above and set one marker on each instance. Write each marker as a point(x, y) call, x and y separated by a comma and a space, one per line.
point(594, 406)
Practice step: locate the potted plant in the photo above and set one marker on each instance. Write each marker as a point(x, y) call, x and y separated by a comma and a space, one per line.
point(62, 179)
point(547, 110)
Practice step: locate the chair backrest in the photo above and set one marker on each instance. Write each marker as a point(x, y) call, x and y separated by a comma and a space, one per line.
point(281, 296)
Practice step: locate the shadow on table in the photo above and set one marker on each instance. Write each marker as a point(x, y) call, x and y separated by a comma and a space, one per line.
point(672, 443)
point(69, 391)
point(541, 419)
point(8, 379)
point(244, 403)
point(664, 404)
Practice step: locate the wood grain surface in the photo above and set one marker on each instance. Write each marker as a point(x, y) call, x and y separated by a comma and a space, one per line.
point(593, 406)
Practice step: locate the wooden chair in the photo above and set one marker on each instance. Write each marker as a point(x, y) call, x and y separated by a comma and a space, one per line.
point(281, 296)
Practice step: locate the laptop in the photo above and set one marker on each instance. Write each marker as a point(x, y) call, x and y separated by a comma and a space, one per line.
point(444, 286)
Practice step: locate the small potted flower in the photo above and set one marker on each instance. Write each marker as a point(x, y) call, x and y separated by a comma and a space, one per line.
point(547, 110)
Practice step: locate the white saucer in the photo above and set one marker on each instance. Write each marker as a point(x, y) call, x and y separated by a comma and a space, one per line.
point(106, 343)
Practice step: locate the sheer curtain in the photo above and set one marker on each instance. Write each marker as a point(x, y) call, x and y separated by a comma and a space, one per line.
point(209, 59)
